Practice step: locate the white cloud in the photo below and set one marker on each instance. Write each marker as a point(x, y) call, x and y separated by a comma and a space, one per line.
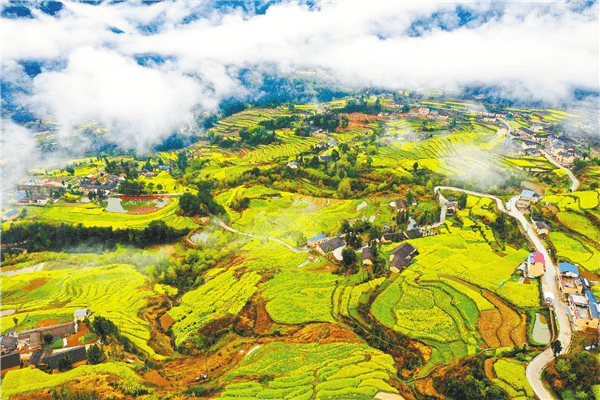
point(538, 51)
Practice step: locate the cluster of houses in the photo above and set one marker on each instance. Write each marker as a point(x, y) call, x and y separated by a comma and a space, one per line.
point(429, 114)
point(564, 152)
point(583, 305)
point(400, 257)
point(25, 348)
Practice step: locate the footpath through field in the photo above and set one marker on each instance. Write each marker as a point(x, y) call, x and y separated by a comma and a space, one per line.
point(537, 365)
point(230, 229)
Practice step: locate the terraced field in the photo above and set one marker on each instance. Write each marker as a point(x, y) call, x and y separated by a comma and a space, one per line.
point(93, 215)
point(510, 377)
point(222, 294)
point(305, 371)
point(115, 292)
point(32, 380)
point(246, 119)
point(466, 255)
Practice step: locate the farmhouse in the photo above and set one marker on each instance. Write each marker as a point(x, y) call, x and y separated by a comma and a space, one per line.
point(77, 354)
point(8, 343)
point(488, 118)
point(392, 237)
point(535, 265)
point(292, 164)
point(332, 143)
point(542, 228)
point(401, 257)
point(528, 145)
point(569, 280)
point(33, 338)
point(558, 147)
point(566, 157)
point(526, 197)
point(325, 158)
point(525, 132)
point(10, 362)
point(401, 204)
point(585, 309)
point(81, 314)
point(451, 208)
point(164, 168)
point(330, 245)
point(315, 240)
point(12, 214)
point(367, 256)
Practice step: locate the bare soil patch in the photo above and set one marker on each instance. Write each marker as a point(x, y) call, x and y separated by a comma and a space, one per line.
point(154, 377)
point(47, 322)
point(36, 283)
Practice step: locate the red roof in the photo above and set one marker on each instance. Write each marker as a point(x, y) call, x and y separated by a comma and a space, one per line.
point(538, 257)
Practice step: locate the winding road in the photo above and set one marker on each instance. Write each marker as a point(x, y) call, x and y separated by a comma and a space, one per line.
point(230, 229)
point(537, 365)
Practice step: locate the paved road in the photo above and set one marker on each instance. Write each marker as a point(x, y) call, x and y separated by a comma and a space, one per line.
point(575, 181)
point(537, 365)
point(230, 229)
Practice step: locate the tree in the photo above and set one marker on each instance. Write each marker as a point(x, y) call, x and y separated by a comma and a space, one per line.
point(349, 258)
point(104, 327)
point(159, 186)
point(462, 201)
point(65, 363)
point(415, 166)
point(345, 188)
point(48, 338)
point(94, 354)
point(556, 346)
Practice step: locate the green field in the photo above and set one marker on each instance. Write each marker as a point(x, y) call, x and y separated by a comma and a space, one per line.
point(115, 292)
point(31, 380)
point(511, 378)
point(223, 294)
point(305, 371)
point(93, 215)
point(573, 250)
point(579, 224)
point(467, 256)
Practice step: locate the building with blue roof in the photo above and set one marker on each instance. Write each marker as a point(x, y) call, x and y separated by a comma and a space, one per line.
point(12, 214)
point(566, 269)
point(316, 240)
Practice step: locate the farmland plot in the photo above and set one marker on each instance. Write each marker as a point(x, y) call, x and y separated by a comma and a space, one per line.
point(113, 291)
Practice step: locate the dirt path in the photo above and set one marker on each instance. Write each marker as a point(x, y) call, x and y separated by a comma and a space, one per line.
point(33, 268)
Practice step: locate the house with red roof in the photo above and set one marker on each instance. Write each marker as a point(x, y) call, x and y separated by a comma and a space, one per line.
point(535, 265)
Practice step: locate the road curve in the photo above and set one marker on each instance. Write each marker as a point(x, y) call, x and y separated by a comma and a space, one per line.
point(230, 229)
point(537, 365)
point(575, 181)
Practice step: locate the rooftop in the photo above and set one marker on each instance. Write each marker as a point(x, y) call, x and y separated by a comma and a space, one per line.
point(529, 194)
point(566, 268)
point(318, 237)
point(332, 244)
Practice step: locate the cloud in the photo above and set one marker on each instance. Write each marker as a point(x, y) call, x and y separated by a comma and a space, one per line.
point(139, 104)
point(532, 51)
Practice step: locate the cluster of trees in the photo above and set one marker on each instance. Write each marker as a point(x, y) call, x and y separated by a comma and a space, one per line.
point(256, 135)
point(186, 272)
point(279, 122)
point(39, 236)
point(507, 230)
point(468, 381)
point(349, 258)
point(202, 203)
point(132, 187)
point(359, 226)
point(328, 121)
point(574, 374)
point(362, 106)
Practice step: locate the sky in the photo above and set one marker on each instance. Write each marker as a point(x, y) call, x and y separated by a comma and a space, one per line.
point(144, 69)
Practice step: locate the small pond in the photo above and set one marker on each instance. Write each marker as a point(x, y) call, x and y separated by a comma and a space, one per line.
point(541, 330)
point(118, 205)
